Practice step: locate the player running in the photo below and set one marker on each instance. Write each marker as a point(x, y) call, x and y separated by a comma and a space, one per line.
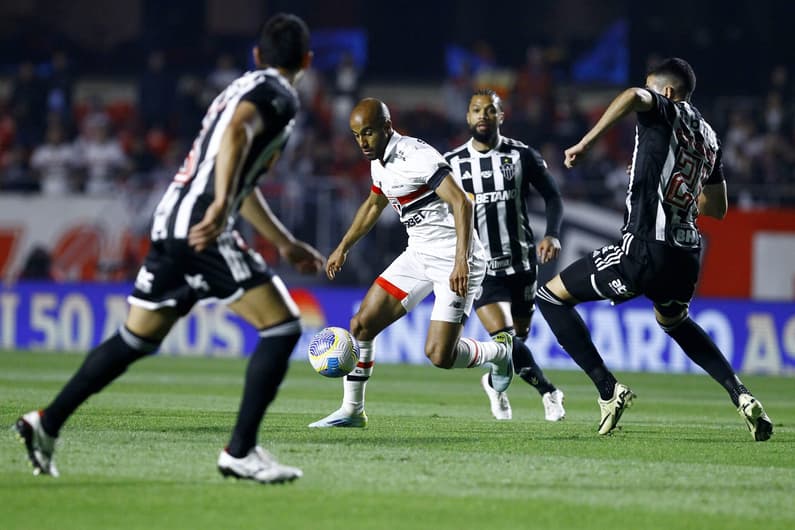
point(443, 256)
point(196, 256)
point(676, 174)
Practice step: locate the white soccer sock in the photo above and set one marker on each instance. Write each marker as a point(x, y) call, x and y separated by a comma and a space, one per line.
point(356, 381)
point(471, 353)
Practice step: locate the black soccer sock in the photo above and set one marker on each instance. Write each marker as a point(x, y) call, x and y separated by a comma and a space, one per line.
point(702, 349)
point(574, 336)
point(102, 365)
point(525, 365)
point(266, 370)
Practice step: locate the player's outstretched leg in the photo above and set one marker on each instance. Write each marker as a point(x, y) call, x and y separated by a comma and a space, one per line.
point(700, 347)
point(351, 413)
point(39, 444)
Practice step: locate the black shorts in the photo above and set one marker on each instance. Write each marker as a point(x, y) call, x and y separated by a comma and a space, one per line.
point(518, 289)
point(174, 275)
point(665, 275)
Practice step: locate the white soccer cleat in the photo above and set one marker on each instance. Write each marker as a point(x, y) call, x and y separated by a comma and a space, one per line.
point(613, 408)
point(258, 465)
point(753, 413)
point(500, 406)
point(553, 405)
point(39, 444)
point(502, 369)
point(342, 418)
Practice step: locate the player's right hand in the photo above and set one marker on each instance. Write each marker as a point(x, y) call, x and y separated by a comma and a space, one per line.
point(335, 262)
point(209, 228)
point(303, 257)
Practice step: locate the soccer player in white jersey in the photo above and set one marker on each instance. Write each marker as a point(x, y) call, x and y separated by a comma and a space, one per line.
point(196, 255)
point(443, 255)
point(500, 174)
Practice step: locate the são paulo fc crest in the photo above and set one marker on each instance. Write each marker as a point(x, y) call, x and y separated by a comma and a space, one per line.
point(507, 168)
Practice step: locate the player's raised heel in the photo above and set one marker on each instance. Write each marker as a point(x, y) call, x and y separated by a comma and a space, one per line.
point(759, 424)
point(40, 445)
point(613, 408)
point(500, 405)
point(502, 369)
point(342, 418)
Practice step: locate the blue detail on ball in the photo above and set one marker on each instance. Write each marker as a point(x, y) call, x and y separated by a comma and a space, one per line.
point(324, 349)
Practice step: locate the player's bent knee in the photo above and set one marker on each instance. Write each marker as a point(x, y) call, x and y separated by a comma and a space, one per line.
point(668, 317)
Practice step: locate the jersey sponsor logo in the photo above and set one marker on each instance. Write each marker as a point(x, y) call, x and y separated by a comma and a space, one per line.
point(495, 196)
point(415, 219)
point(486, 174)
point(143, 280)
point(685, 235)
point(500, 263)
point(507, 168)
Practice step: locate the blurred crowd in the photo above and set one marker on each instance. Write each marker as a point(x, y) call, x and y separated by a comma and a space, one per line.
point(51, 143)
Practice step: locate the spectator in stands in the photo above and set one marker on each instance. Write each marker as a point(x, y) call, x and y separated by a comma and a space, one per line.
point(53, 163)
point(59, 87)
point(223, 74)
point(28, 105)
point(101, 155)
point(155, 92)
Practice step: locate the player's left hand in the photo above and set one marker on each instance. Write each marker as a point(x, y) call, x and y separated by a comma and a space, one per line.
point(575, 154)
point(459, 278)
point(209, 228)
point(303, 257)
point(548, 249)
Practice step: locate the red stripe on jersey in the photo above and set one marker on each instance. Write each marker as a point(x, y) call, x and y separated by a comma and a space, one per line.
point(414, 194)
point(375, 189)
point(392, 289)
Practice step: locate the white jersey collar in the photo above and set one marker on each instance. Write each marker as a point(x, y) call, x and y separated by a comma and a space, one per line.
point(390, 146)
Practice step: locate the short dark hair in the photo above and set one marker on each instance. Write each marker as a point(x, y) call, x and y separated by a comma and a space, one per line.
point(283, 41)
point(681, 71)
point(490, 93)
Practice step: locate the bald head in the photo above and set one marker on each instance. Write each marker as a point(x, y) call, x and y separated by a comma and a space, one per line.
point(371, 111)
point(371, 125)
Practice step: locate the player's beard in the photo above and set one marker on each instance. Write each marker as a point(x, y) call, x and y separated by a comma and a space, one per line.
point(487, 137)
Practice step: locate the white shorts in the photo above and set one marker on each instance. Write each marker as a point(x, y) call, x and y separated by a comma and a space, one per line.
point(413, 275)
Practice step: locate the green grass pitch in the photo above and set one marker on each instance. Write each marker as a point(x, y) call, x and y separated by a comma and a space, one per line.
point(142, 454)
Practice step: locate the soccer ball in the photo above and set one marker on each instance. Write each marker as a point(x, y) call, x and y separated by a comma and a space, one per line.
point(333, 352)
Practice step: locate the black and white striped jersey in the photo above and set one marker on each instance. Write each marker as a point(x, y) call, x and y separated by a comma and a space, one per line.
point(193, 188)
point(498, 182)
point(676, 153)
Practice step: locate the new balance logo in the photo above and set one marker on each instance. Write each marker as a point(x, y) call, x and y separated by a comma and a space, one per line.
point(456, 304)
